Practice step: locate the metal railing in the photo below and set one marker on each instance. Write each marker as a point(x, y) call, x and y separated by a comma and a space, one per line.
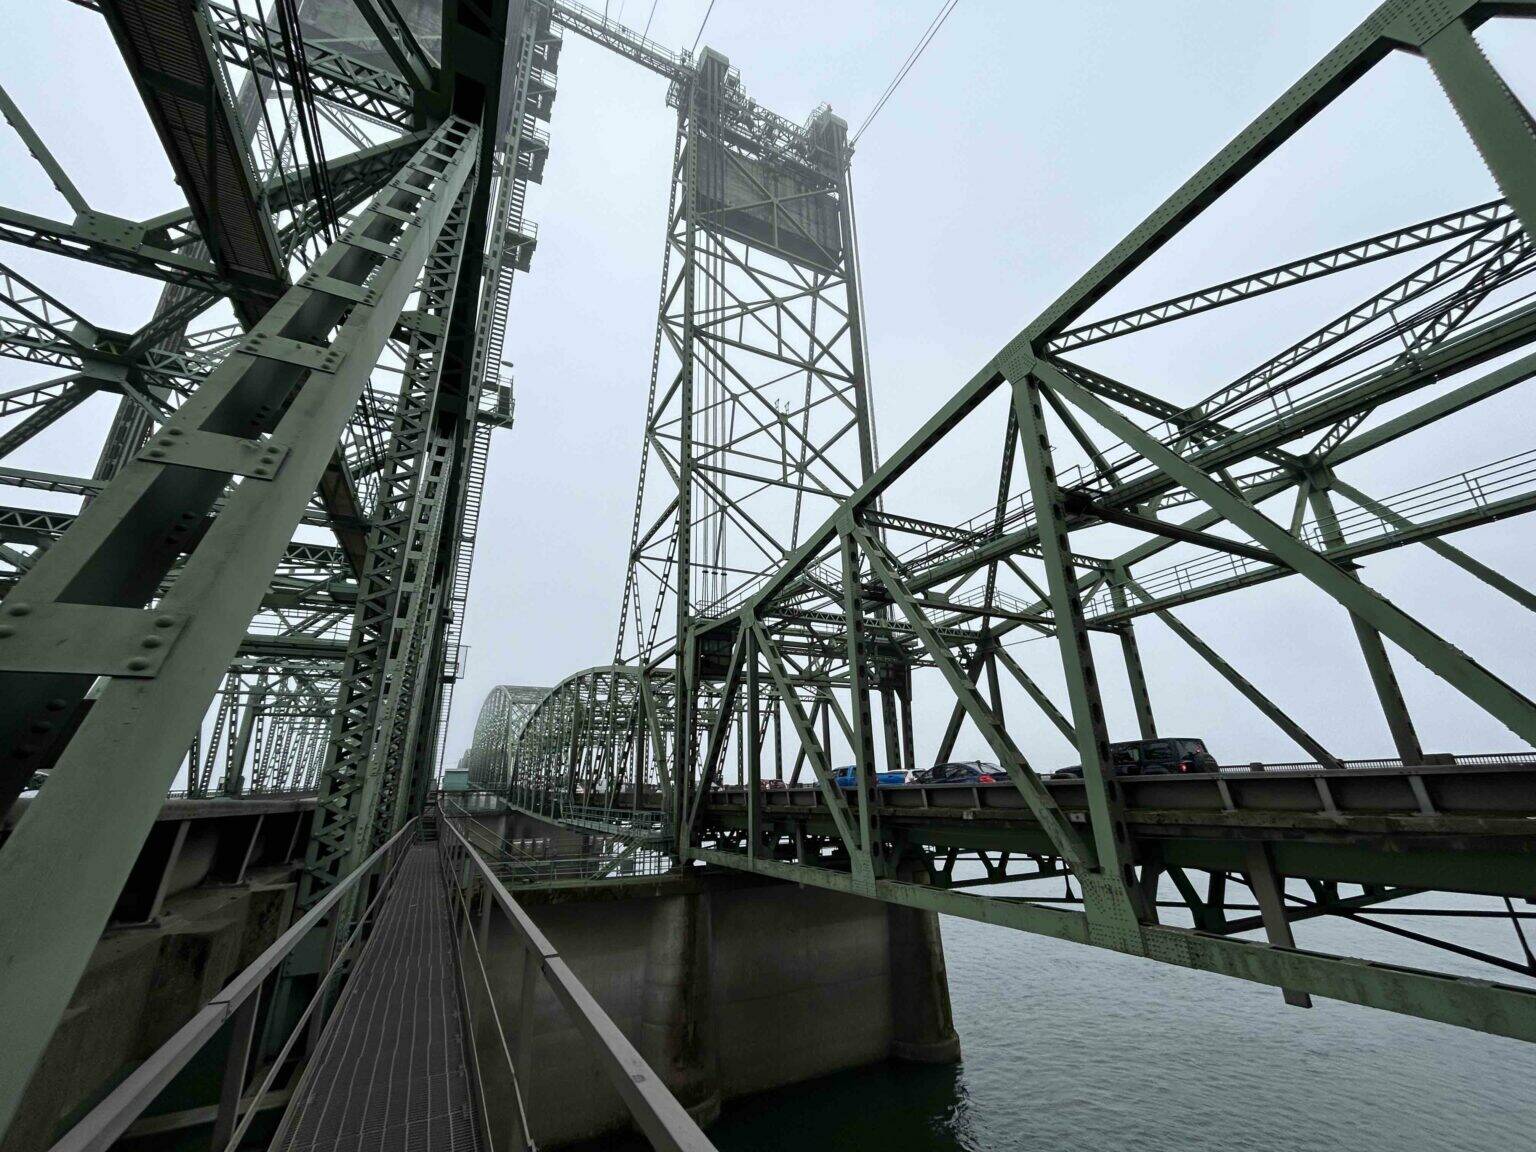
point(1407, 513)
point(637, 822)
point(476, 892)
point(516, 862)
point(296, 791)
point(1444, 760)
point(239, 1004)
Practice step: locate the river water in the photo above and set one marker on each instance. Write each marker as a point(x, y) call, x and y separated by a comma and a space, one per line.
point(1071, 1049)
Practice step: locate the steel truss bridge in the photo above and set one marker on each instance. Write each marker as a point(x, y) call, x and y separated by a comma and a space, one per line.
point(262, 588)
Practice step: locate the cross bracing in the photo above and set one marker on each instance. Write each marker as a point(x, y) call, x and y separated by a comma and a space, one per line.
point(263, 579)
point(1117, 499)
point(337, 194)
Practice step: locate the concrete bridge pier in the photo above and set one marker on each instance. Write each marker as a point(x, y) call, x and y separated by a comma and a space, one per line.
point(921, 1018)
point(677, 1034)
point(728, 984)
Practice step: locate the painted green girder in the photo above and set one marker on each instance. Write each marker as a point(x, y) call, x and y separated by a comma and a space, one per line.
point(823, 639)
point(396, 599)
point(105, 792)
point(200, 483)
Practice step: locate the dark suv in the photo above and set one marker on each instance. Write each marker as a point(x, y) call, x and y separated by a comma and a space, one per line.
point(1164, 756)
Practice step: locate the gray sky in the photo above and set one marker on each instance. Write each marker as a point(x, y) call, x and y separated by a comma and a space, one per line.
point(1029, 139)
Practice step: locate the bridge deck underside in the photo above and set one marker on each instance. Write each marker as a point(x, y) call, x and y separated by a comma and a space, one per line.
point(390, 1072)
point(1445, 829)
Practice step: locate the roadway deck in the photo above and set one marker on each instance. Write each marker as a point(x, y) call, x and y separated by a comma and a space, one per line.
point(1468, 827)
point(390, 1072)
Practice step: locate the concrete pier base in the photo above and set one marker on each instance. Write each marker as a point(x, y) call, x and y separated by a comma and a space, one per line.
point(677, 1034)
point(142, 984)
point(920, 1011)
point(727, 984)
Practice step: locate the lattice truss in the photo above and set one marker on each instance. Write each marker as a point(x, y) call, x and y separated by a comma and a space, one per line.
point(256, 584)
point(1221, 445)
point(498, 728)
point(757, 423)
point(314, 112)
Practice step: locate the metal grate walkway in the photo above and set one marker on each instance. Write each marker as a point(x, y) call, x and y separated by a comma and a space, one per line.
point(390, 1073)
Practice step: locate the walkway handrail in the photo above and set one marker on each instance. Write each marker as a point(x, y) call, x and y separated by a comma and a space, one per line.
point(655, 1111)
point(102, 1126)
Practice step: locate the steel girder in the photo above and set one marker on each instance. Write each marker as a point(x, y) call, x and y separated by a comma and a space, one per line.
point(402, 655)
point(195, 519)
point(292, 382)
point(396, 598)
point(872, 595)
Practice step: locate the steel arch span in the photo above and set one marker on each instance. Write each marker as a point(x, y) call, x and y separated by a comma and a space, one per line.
point(498, 732)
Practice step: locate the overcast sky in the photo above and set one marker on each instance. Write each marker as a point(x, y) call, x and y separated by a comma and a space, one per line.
point(1029, 139)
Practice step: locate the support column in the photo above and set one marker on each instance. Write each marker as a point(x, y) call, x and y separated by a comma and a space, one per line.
point(858, 705)
point(922, 1021)
point(754, 739)
point(234, 776)
point(1269, 891)
point(1110, 896)
point(1140, 695)
point(676, 1031)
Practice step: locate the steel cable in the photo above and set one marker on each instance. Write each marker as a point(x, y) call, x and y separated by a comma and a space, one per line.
point(912, 58)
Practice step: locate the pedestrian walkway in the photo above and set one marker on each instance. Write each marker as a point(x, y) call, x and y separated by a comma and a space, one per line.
point(390, 1073)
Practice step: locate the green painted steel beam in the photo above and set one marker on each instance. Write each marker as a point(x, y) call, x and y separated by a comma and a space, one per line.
point(1480, 1005)
point(1483, 688)
point(110, 780)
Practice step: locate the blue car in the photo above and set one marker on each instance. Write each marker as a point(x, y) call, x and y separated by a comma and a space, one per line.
point(846, 777)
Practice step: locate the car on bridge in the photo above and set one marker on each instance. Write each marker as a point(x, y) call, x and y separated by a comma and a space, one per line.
point(1165, 756)
point(962, 772)
point(847, 777)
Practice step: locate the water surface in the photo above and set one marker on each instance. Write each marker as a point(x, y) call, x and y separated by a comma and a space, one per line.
point(1071, 1049)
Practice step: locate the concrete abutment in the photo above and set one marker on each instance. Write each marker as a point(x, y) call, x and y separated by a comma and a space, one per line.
point(727, 984)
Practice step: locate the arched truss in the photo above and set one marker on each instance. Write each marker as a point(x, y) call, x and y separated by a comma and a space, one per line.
point(498, 730)
point(598, 738)
point(1116, 501)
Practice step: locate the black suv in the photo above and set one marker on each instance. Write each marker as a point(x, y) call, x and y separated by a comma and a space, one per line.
point(1162, 757)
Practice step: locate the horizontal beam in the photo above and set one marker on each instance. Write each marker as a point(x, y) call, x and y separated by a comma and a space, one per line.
point(1481, 1005)
point(1379, 247)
